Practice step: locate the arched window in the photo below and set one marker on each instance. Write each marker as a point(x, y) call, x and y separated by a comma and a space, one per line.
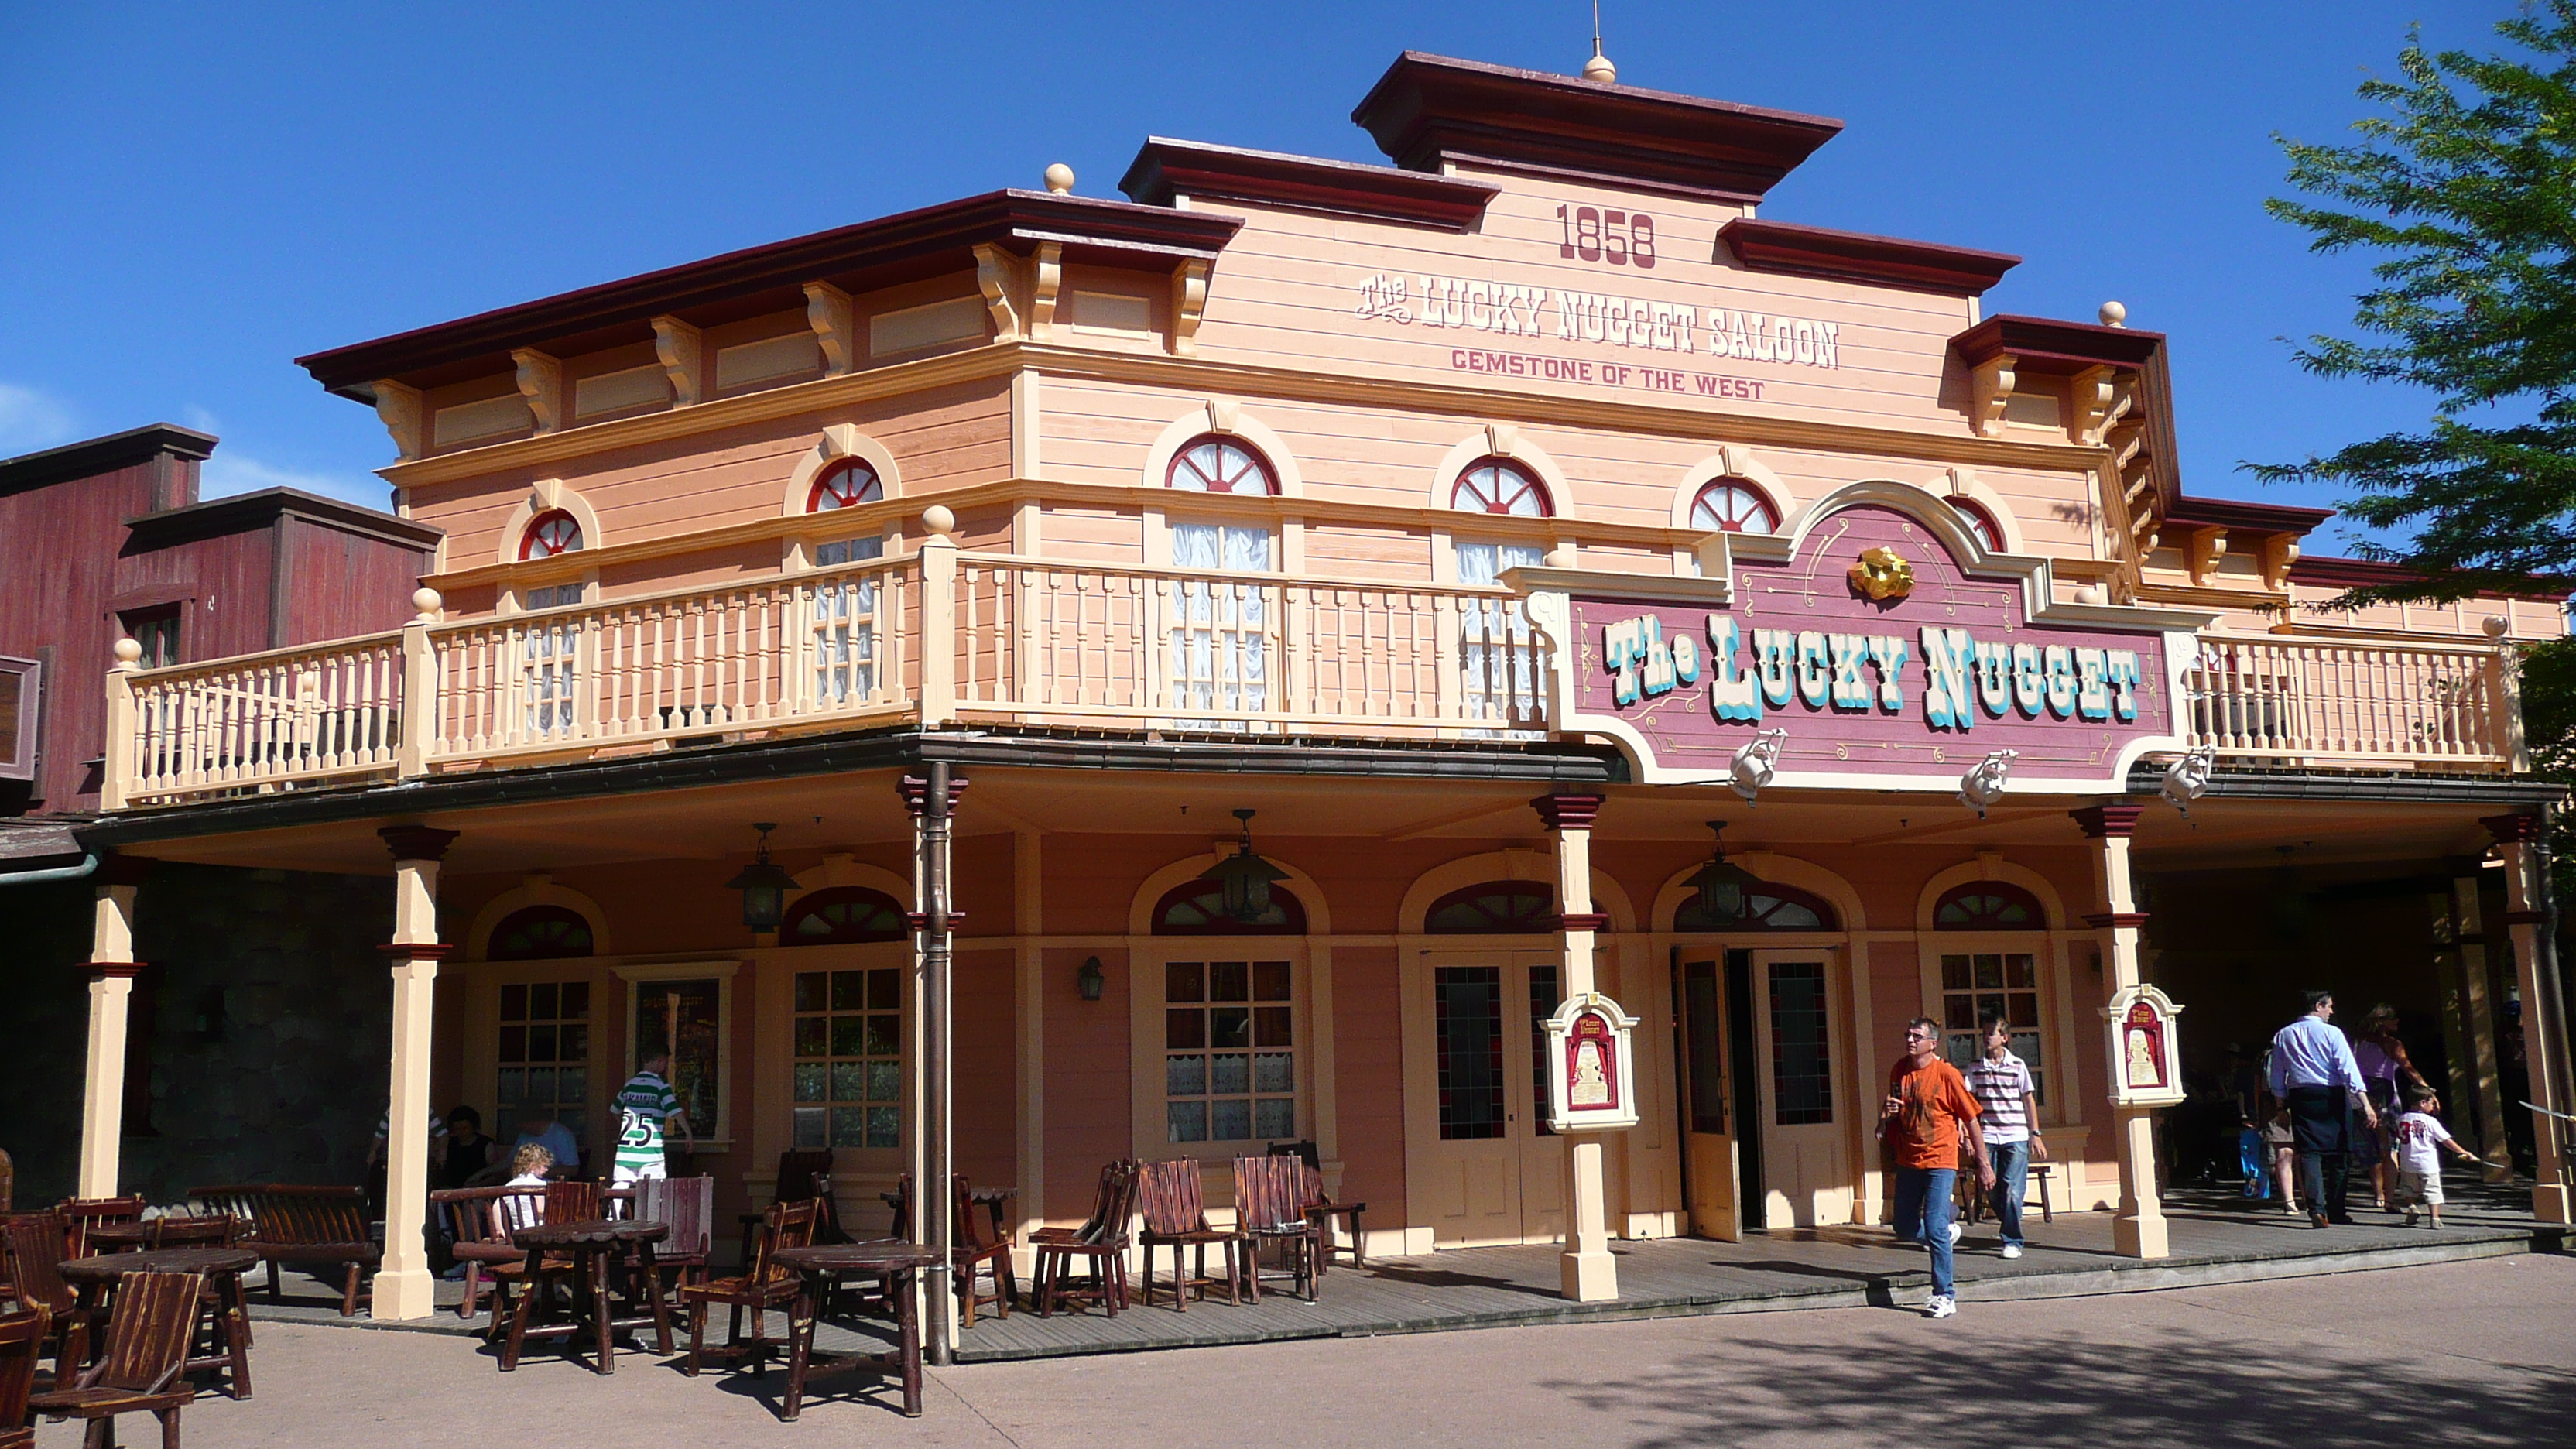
point(1197, 908)
point(539, 933)
point(1767, 907)
point(1981, 523)
point(1731, 505)
point(1988, 905)
point(1499, 485)
point(1494, 908)
point(842, 914)
point(845, 484)
point(550, 533)
point(1215, 463)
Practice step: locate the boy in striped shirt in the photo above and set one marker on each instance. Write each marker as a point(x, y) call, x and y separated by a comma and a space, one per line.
point(2001, 1083)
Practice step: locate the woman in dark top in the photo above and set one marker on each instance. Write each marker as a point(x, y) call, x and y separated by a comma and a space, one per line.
point(468, 1150)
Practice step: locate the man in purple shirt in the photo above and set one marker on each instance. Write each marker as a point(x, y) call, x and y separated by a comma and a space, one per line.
point(2314, 1075)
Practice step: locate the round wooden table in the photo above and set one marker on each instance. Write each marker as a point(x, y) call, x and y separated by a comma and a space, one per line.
point(222, 1268)
point(817, 1266)
point(596, 1248)
point(178, 1230)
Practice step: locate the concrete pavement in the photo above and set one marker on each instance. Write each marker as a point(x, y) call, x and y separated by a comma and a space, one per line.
point(2471, 1354)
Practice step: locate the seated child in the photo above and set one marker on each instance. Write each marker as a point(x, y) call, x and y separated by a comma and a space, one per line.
point(528, 1165)
point(2420, 1138)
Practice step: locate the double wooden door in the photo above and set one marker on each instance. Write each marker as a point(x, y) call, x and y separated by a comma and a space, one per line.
point(1481, 1166)
point(1762, 1089)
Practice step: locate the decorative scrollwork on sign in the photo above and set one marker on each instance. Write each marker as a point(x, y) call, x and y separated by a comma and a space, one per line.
point(1883, 574)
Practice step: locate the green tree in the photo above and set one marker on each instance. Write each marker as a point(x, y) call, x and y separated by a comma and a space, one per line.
point(2466, 188)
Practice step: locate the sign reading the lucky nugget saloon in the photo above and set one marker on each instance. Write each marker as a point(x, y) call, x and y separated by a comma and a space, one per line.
point(1891, 650)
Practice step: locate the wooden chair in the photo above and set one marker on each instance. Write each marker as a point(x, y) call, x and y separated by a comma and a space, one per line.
point(475, 1237)
point(320, 1227)
point(8, 1181)
point(33, 1246)
point(78, 1214)
point(763, 1286)
point(802, 1177)
point(1176, 1218)
point(1101, 1242)
point(1329, 1215)
point(517, 1281)
point(22, 1342)
point(147, 1348)
point(688, 1204)
point(1270, 1209)
point(978, 1252)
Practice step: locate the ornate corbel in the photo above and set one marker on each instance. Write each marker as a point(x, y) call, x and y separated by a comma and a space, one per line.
point(1046, 279)
point(2206, 547)
point(541, 383)
point(1990, 387)
point(683, 357)
point(829, 313)
point(2097, 400)
point(398, 408)
point(2279, 552)
point(1189, 299)
point(995, 271)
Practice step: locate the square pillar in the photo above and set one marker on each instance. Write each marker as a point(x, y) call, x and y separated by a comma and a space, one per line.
point(2475, 1066)
point(2544, 1019)
point(112, 969)
point(404, 1287)
point(2139, 1230)
point(1586, 1271)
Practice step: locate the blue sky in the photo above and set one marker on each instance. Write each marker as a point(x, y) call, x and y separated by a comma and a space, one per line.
point(191, 196)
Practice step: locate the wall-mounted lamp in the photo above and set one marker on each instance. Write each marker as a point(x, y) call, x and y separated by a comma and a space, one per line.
point(1089, 980)
point(764, 886)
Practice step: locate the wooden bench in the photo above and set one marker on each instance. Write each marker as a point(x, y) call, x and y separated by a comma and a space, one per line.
point(305, 1226)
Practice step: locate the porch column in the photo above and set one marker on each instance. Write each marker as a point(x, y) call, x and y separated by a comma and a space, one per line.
point(403, 1287)
point(2544, 1020)
point(2139, 1230)
point(933, 800)
point(111, 992)
point(1586, 1271)
point(2476, 1066)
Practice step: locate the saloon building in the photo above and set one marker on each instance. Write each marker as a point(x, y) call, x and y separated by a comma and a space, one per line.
point(1458, 538)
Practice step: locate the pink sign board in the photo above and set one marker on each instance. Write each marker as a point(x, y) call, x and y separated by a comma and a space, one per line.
point(1908, 689)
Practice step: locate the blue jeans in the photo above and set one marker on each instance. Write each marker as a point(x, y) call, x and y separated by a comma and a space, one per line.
point(2012, 1171)
point(1923, 1216)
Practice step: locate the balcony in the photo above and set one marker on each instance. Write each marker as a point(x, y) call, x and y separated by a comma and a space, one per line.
point(947, 637)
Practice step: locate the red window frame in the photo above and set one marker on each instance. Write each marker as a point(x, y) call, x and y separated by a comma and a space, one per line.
point(1988, 905)
point(1196, 908)
point(1504, 483)
point(847, 914)
point(539, 927)
point(834, 486)
point(1761, 904)
point(1493, 908)
point(1258, 477)
point(1733, 518)
point(1981, 522)
point(551, 534)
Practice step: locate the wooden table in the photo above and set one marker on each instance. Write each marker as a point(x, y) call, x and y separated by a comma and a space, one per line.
point(178, 1230)
point(818, 1267)
point(596, 1247)
point(993, 1199)
point(96, 1277)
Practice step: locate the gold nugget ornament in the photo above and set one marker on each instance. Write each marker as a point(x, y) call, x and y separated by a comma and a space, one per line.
point(1883, 574)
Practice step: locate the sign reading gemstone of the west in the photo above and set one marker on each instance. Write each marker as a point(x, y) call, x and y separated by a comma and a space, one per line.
point(1889, 645)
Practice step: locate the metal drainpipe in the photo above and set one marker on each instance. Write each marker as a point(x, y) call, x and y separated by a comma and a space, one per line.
point(936, 1207)
point(89, 864)
point(2551, 1015)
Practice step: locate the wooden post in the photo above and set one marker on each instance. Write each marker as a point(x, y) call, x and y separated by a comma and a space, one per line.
point(2544, 1021)
point(420, 688)
point(112, 969)
point(1028, 923)
point(116, 776)
point(2477, 1064)
point(1585, 1270)
point(938, 617)
point(404, 1286)
point(2139, 1230)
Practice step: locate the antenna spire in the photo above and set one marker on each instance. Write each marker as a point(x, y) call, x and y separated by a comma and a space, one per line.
point(1598, 69)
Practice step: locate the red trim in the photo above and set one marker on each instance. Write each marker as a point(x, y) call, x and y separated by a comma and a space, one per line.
point(101, 970)
point(2044, 345)
point(1853, 256)
point(2364, 573)
point(2513, 829)
point(2109, 819)
point(2117, 920)
point(1429, 108)
point(916, 792)
point(2252, 517)
point(921, 919)
point(1592, 921)
point(2526, 918)
point(1165, 169)
point(417, 950)
point(1567, 812)
point(121, 870)
point(417, 842)
point(1260, 465)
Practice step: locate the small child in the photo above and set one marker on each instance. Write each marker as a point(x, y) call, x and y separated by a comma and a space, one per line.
point(528, 1166)
point(2420, 1138)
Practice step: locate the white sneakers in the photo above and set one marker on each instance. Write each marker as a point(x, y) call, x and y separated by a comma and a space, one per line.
point(2012, 1250)
point(1940, 1305)
point(1955, 1231)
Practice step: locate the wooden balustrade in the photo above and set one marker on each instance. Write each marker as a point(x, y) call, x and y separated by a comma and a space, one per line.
point(318, 713)
point(2352, 700)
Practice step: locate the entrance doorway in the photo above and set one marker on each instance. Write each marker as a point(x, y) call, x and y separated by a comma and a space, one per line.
point(1482, 1168)
point(1760, 1087)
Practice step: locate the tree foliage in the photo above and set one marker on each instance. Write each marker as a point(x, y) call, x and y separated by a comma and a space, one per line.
point(2466, 188)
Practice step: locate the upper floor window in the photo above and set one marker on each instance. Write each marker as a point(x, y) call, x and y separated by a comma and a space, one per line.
point(1197, 908)
point(1494, 908)
point(540, 933)
point(157, 630)
point(550, 533)
point(1767, 907)
point(1730, 505)
point(1218, 464)
point(1988, 905)
point(1499, 485)
point(843, 914)
point(1981, 523)
point(845, 484)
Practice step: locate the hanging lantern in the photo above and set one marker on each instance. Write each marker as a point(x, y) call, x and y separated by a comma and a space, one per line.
point(764, 886)
point(1245, 878)
point(1090, 979)
point(1721, 885)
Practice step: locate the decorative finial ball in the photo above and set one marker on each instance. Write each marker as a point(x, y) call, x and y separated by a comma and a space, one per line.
point(128, 651)
point(1600, 71)
point(938, 519)
point(2090, 594)
point(426, 601)
point(2496, 625)
point(2114, 315)
point(1059, 179)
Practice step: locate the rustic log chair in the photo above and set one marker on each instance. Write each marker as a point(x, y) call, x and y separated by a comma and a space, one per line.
point(147, 1348)
point(80, 1213)
point(33, 1246)
point(572, 1201)
point(8, 1181)
point(1101, 1242)
point(977, 1251)
point(803, 1176)
point(688, 1204)
point(1270, 1209)
point(22, 1342)
point(1321, 1206)
point(763, 1286)
point(474, 1236)
point(309, 1226)
point(1176, 1217)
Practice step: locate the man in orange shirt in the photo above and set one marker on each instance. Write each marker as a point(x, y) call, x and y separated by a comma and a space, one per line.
point(1927, 1103)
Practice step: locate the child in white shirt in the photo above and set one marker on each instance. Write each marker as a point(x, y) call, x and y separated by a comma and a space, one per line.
point(2420, 1139)
point(525, 1207)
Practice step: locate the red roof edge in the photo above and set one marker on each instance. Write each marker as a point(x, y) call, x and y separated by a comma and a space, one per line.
point(2242, 513)
point(1165, 168)
point(1851, 256)
point(2362, 573)
point(2044, 344)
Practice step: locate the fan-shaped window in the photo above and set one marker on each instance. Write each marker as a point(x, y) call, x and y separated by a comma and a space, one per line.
point(539, 933)
point(1767, 907)
point(1197, 908)
point(550, 533)
point(1499, 485)
point(1494, 908)
point(1981, 523)
point(1731, 505)
point(1988, 905)
point(843, 914)
point(845, 484)
point(1218, 464)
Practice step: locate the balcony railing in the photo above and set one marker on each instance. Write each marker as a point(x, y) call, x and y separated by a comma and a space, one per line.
point(941, 637)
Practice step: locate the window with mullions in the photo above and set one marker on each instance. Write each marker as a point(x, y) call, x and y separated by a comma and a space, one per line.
point(1197, 908)
point(1495, 908)
point(1766, 908)
point(1802, 1076)
point(1978, 984)
point(1213, 464)
point(1230, 1057)
point(1467, 1022)
point(539, 933)
point(849, 1058)
point(1988, 905)
point(1729, 506)
point(844, 914)
point(545, 1051)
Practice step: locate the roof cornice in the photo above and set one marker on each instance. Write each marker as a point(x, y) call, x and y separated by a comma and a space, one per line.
point(1166, 168)
point(94, 456)
point(245, 511)
point(1851, 256)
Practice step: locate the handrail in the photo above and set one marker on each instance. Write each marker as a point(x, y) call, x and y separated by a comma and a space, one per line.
point(2303, 697)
